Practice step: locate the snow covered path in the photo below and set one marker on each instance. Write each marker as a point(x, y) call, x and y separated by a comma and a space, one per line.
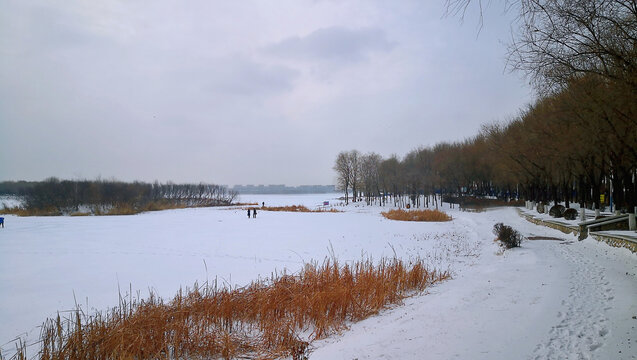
point(596, 317)
point(546, 300)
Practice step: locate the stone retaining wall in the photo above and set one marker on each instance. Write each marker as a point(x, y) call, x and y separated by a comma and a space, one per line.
point(563, 228)
point(616, 241)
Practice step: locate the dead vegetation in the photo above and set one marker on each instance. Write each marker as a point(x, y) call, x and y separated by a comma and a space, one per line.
point(416, 215)
point(508, 237)
point(297, 208)
point(117, 209)
point(21, 211)
point(273, 318)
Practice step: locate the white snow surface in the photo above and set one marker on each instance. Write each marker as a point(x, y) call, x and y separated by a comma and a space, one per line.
point(546, 300)
point(9, 201)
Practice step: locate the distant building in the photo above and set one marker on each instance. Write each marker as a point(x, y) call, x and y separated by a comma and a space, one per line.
point(282, 189)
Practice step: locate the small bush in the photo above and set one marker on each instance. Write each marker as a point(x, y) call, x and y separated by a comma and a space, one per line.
point(570, 214)
point(557, 211)
point(416, 215)
point(509, 237)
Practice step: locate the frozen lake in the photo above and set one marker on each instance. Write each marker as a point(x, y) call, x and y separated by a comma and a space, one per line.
point(50, 262)
point(548, 299)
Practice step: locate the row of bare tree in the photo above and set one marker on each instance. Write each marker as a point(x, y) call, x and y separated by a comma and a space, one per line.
point(69, 195)
point(573, 146)
point(446, 169)
point(576, 142)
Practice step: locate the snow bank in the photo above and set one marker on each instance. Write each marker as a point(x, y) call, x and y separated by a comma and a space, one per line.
point(10, 201)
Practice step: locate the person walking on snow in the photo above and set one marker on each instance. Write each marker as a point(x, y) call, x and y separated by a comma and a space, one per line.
point(248, 213)
point(254, 213)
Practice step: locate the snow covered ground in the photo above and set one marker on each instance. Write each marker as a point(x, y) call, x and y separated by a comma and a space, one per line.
point(8, 201)
point(546, 300)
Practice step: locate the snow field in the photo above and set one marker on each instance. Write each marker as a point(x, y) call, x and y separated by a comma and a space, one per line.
point(49, 263)
point(545, 300)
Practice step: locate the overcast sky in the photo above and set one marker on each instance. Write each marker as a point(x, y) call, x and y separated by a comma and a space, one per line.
point(240, 92)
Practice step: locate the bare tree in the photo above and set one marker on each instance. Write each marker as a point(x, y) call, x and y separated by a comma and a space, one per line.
point(555, 40)
point(560, 39)
point(354, 161)
point(343, 173)
point(348, 170)
point(390, 177)
point(370, 175)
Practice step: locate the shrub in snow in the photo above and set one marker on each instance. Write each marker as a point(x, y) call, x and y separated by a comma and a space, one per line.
point(557, 211)
point(509, 237)
point(570, 214)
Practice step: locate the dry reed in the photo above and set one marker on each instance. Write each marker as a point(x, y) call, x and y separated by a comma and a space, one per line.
point(264, 320)
point(297, 208)
point(20, 211)
point(80, 213)
point(416, 215)
point(117, 209)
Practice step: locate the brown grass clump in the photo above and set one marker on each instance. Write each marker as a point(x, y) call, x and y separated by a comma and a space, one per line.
point(416, 215)
point(116, 209)
point(80, 213)
point(263, 320)
point(20, 211)
point(297, 208)
point(130, 209)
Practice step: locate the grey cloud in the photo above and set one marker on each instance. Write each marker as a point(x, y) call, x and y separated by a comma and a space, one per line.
point(56, 29)
point(334, 44)
point(246, 77)
point(144, 91)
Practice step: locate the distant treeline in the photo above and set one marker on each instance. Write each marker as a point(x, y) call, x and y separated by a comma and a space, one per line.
point(282, 189)
point(15, 187)
point(53, 196)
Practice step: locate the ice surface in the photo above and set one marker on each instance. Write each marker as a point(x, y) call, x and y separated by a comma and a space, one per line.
point(547, 299)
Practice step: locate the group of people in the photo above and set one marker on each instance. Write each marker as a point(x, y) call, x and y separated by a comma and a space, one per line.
point(254, 210)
